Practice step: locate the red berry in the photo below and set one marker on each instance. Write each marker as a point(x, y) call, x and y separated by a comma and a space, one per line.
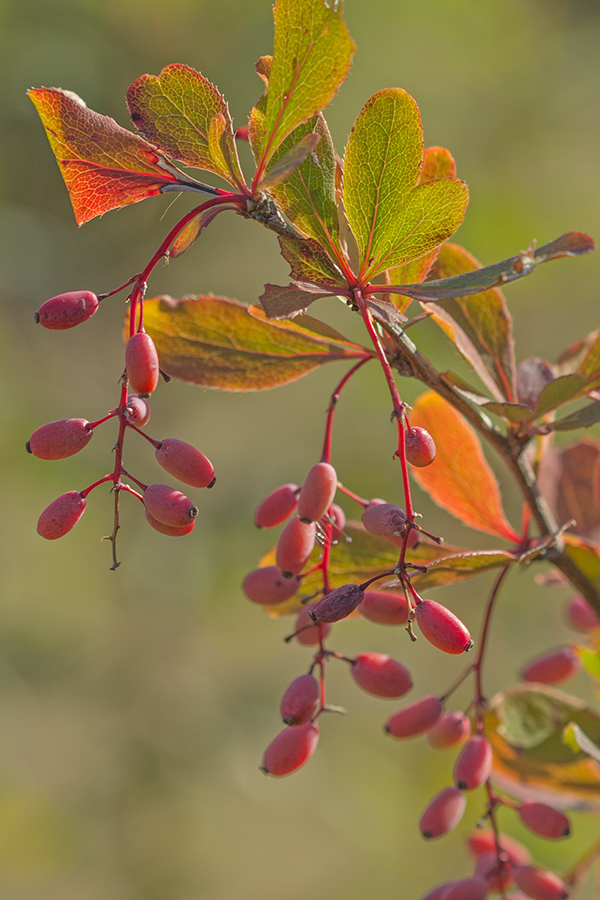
point(337, 604)
point(317, 492)
point(381, 675)
point(292, 747)
point(497, 872)
point(277, 507)
point(474, 764)
point(169, 506)
point(171, 530)
point(384, 519)
point(442, 628)
point(384, 607)
point(420, 447)
point(545, 820)
point(308, 632)
point(67, 310)
point(300, 701)
point(468, 889)
point(62, 514)
point(443, 813)
point(141, 363)
point(580, 614)
point(186, 463)
point(439, 891)
point(553, 666)
point(415, 718)
point(449, 730)
point(338, 518)
point(540, 884)
point(138, 410)
point(294, 547)
point(57, 440)
point(483, 841)
point(268, 586)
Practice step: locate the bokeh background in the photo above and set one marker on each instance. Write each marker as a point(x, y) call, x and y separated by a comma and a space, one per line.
point(135, 705)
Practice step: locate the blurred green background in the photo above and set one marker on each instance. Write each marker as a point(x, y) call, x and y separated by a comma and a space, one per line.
point(135, 705)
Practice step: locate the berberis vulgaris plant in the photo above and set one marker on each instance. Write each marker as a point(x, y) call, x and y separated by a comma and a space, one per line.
point(371, 229)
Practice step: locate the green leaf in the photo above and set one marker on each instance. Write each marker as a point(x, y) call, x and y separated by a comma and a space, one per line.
point(578, 741)
point(589, 366)
point(193, 229)
point(515, 413)
point(394, 219)
point(222, 344)
point(586, 557)
point(289, 161)
point(286, 302)
point(559, 391)
point(591, 661)
point(177, 110)
point(311, 58)
point(459, 566)
point(583, 418)
point(310, 263)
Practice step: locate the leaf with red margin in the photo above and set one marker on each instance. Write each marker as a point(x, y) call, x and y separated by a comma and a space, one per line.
point(220, 343)
point(287, 302)
point(103, 165)
point(459, 479)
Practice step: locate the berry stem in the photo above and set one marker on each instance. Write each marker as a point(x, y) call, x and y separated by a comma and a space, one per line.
point(478, 664)
point(326, 455)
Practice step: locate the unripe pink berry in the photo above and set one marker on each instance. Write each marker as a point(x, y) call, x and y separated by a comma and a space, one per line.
point(58, 440)
point(295, 544)
point(268, 586)
point(468, 889)
point(483, 841)
point(450, 730)
point(291, 749)
point(141, 363)
point(384, 519)
point(171, 530)
point(442, 628)
point(67, 310)
point(420, 447)
point(169, 505)
point(415, 718)
point(338, 604)
point(300, 701)
point(540, 884)
point(186, 463)
point(138, 410)
point(381, 675)
point(62, 514)
point(545, 820)
point(309, 633)
point(277, 507)
point(498, 873)
point(553, 666)
point(474, 763)
point(317, 492)
point(580, 614)
point(384, 607)
point(338, 519)
point(443, 813)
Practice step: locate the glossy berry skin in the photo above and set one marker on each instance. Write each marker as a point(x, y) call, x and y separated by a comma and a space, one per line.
point(384, 519)
point(138, 410)
point(268, 586)
point(169, 505)
point(384, 607)
point(415, 718)
point(141, 363)
point(442, 628)
point(540, 884)
point(544, 820)
point(450, 730)
point(580, 614)
point(420, 447)
point(62, 515)
point(58, 440)
point(474, 764)
point(186, 463)
point(553, 666)
point(468, 889)
point(277, 507)
point(337, 604)
point(317, 492)
point(67, 310)
point(301, 700)
point(291, 749)
point(443, 813)
point(381, 675)
point(309, 633)
point(294, 547)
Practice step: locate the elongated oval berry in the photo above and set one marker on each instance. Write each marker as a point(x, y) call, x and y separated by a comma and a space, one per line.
point(337, 517)
point(384, 519)
point(307, 631)
point(381, 675)
point(62, 514)
point(141, 363)
point(67, 310)
point(553, 666)
point(337, 604)
point(474, 763)
point(138, 410)
point(169, 506)
point(384, 607)
point(415, 718)
point(294, 546)
point(483, 841)
point(277, 507)
point(468, 889)
point(580, 614)
point(186, 463)
point(291, 749)
point(498, 873)
point(442, 628)
point(300, 701)
point(545, 820)
point(540, 884)
point(317, 492)
point(450, 730)
point(420, 447)
point(171, 530)
point(443, 813)
point(268, 586)
point(58, 440)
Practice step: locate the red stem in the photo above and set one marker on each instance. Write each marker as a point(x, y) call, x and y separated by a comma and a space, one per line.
point(326, 455)
point(478, 664)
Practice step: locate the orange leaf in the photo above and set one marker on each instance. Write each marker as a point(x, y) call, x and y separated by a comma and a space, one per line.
point(459, 479)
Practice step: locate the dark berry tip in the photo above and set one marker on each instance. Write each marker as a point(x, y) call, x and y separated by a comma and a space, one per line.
point(36, 316)
point(28, 447)
point(213, 482)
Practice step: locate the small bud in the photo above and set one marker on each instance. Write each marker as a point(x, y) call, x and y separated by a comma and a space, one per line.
point(67, 310)
point(337, 604)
